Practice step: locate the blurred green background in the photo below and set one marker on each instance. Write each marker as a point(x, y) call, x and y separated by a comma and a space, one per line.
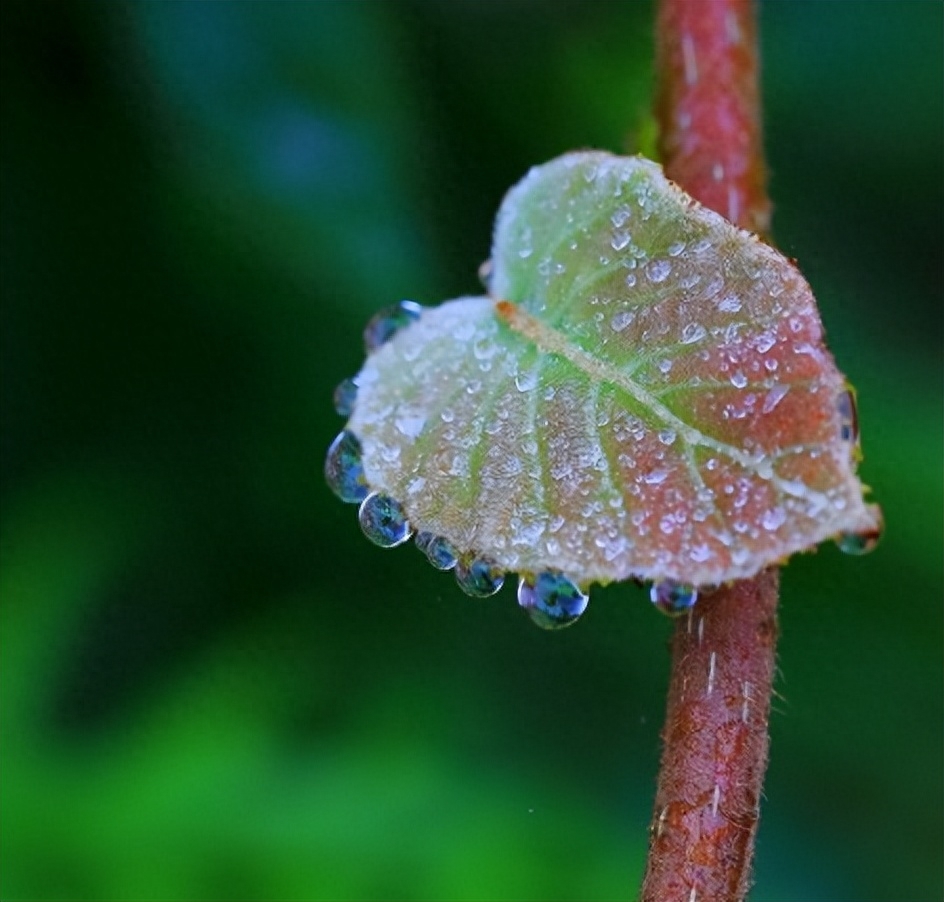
point(212, 686)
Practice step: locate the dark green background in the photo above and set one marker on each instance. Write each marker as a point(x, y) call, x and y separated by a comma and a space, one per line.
point(213, 686)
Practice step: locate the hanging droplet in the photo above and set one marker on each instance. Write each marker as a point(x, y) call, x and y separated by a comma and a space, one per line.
point(385, 324)
point(848, 416)
point(673, 598)
point(343, 469)
point(551, 600)
point(383, 521)
point(478, 576)
point(344, 397)
point(860, 542)
point(422, 539)
point(441, 552)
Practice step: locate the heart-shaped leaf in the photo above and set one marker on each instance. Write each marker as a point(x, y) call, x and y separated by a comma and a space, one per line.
point(645, 393)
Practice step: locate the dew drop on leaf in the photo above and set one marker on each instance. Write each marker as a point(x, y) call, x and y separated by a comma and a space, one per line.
point(345, 396)
point(858, 543)
point(848, 416)
point(383, 521)
point(478, 576)
point(622, 420)
point(344, 471)
point(551, 600)
point(673, 598)
point(440, 552)
point(385, 324)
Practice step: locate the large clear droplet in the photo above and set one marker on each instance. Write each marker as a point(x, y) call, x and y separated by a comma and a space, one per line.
point(345, 395)
point(673, 598)
point(385, 324)
point(848, 416)
point(478, 576)
point(440, 552)
point(383, 521)
point(551, 600)
point(343, 469)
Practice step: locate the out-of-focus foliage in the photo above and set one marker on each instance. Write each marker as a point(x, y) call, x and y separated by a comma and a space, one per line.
point(212, 686)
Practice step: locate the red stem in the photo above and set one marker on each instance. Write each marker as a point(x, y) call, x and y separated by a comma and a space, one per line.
point(723, 655)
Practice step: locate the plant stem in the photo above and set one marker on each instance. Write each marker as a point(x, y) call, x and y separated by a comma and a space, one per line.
point(723, 655)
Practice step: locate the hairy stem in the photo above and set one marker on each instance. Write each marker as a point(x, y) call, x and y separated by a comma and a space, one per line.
point(715, 735)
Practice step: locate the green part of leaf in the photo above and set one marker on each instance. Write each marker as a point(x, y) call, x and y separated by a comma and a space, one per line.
point(646, 393)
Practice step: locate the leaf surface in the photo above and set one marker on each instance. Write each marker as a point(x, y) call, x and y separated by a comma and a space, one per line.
point(645, 392)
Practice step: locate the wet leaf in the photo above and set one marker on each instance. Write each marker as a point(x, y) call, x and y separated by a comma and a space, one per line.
point(645, 392)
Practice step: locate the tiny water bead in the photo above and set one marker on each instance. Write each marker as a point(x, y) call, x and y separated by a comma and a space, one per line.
point(345, 395)
point(440, 552)
point(383, 521)
point(551, 600)
point(848, 416)
point(478, 576)
point(673, 598)
point(343, 469)
point(385, 324)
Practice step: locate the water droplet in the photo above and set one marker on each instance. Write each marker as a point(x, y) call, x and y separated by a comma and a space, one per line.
point(410, 426)
point(848, 416)
point(621, 320)
point(665, 366)
point(620, 239)
point(739, 380)
point(774, 397)
point(620, 216)
point(658, 270)
point(422, 540)
point(551, 600)
point(527, 380)
point(383, 521)
point(860, 542)
point(385, 324)
point(729, 304)
point(344, 397)
point(478, 576)
point(765, 341)
point(693, 332)
point(675, 248)
point(440, 552)
point(343, 469)
point(655, 477)
point(773, 518)
point(667, 436)
point(673, 598)
point(630, 279)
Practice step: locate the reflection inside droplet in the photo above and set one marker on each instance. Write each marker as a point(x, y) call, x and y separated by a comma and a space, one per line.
point(345, 396)
point(848, 416)
point(551, 600)
point(343, 469)
point(383, 521)
point(861, 542)
point(385, 324)
point(673, 598)
point(478, 576)
point(440, 552)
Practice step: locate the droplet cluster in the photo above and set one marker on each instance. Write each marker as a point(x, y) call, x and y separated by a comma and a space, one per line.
point(644, 392)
